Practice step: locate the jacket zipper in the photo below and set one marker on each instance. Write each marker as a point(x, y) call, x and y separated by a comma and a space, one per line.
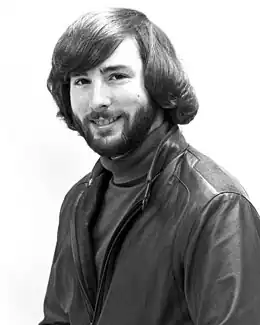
point(98, 305)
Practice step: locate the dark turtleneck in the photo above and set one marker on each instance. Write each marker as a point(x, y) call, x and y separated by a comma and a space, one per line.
point(128, 178)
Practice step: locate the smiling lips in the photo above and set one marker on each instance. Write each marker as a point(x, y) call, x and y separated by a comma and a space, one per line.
point(102, 121)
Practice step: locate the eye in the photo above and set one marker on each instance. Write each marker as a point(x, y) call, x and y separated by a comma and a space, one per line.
point(82, 81)
point(117, 76)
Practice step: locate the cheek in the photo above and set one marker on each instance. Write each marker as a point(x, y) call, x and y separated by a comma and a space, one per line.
point(142, 96)
point(79, 104)
point(140, 100)
point(130, 99)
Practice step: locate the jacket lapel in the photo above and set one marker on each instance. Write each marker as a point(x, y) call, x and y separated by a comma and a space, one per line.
point(87, 210)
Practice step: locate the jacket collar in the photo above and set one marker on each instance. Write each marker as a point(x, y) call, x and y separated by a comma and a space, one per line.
point(171, 147)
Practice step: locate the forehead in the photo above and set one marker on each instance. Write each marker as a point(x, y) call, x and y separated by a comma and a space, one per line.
point(126, 54)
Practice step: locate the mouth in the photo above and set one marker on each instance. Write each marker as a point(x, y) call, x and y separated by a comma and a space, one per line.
point(104, 122)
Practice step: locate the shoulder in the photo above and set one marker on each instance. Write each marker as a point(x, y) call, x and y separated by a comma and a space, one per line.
point(75, 189)
point(205, 179)
point(215, 201)
point(211, 192)
point(198, 186)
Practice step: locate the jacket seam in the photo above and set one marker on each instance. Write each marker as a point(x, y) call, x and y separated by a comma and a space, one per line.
point(180, 220)
point(192, 153)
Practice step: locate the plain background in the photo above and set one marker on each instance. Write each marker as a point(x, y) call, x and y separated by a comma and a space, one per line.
point(218, 43)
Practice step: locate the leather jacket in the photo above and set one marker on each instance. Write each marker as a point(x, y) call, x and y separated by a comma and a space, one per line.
point(187, 252)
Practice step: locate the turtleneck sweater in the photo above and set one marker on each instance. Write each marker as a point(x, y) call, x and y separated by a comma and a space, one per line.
point(128, 179)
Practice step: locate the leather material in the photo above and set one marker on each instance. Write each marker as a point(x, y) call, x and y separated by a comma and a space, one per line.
point(191, 256)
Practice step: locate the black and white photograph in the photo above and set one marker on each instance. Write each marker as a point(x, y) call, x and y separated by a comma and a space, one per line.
point(130, 162)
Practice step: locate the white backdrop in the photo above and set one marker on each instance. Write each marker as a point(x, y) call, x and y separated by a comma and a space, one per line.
point(218, 43)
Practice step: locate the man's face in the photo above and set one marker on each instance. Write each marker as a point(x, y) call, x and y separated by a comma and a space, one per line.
point(110, 102)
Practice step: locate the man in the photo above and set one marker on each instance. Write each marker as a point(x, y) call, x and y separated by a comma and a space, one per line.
point(157, 233)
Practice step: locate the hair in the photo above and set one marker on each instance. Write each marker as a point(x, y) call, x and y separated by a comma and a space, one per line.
point(92, 38)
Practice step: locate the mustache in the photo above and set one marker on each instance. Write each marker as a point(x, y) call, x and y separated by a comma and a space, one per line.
point(105, 114)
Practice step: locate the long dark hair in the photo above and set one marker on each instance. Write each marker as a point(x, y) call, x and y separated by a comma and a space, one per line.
point(92, 38)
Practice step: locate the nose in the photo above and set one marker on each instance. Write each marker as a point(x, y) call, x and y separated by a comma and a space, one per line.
point(100, 98)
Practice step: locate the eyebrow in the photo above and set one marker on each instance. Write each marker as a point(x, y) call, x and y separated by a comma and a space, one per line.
point(106, 69)
point(113, 68)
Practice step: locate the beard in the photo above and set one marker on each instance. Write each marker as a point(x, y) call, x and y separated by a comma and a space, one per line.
point(131, 136)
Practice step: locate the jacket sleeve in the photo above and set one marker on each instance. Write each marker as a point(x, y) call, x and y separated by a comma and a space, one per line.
point(53, 312)
point(222, 263)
